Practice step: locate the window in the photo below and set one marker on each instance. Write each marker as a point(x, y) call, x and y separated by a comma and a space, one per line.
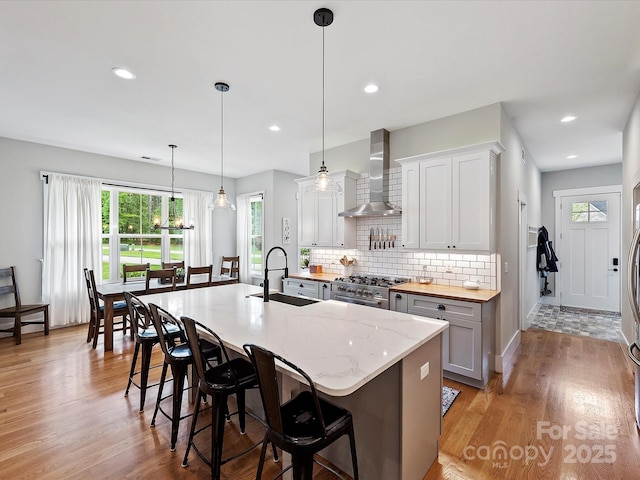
point(589, 211)
point(128, 235)
point(255, 236)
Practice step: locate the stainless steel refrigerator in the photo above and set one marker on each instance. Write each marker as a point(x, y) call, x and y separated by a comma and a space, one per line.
point(633, 285)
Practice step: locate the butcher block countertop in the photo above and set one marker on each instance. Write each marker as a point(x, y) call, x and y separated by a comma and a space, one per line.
point(444, 291)
point(317, 277)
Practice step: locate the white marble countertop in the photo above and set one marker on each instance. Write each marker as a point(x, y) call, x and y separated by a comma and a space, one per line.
point(340, 345)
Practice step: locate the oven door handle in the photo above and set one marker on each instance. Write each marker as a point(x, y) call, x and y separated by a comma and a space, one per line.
point(342, 298)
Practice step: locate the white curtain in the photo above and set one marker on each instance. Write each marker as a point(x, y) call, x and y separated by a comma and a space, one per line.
point(198, 243)
point(73, 241)
point(242, 235)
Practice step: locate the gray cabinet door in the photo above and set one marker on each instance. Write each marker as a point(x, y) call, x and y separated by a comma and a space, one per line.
point(462, 347)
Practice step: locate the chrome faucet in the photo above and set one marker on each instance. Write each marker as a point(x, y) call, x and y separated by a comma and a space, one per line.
point(265, 284)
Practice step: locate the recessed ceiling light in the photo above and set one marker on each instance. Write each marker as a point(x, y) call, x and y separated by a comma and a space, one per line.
point(371, 88)
point(123, 73)
point(571, 157)
point(568, 118)
point(274, 128)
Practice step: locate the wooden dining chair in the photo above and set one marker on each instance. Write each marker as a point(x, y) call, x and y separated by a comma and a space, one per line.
point(230, 266)
point(96, 326)
point(135, 269)
point(199, 271)
point(173, 264)
point(165, 280)
point(18, 310)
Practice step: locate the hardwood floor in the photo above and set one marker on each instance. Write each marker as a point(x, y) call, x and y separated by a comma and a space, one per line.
point(63, 416)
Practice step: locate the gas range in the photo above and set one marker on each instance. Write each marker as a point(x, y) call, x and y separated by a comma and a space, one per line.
point(372, 290)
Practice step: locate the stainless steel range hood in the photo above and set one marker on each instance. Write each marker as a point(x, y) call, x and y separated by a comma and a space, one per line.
point(378, 205)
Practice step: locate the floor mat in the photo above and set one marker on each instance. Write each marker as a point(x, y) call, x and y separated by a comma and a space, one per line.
point(579, 321)
point(448, 396)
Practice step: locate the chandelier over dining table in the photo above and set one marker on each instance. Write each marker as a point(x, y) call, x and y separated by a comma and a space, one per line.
point(178, 222)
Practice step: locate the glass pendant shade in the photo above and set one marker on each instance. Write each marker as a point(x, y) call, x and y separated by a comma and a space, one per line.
point(221, 201)
point(323, 178)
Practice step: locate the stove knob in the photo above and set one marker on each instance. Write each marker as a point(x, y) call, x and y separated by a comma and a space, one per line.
point(359, 291)
point(350, 290)
point(341, 288)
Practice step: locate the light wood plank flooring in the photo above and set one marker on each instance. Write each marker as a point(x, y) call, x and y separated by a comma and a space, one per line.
point(63, 416)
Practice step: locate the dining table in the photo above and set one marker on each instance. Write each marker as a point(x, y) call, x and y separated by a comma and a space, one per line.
point(113, 292)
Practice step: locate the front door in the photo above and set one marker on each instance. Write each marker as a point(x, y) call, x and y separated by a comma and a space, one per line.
point(589, 251)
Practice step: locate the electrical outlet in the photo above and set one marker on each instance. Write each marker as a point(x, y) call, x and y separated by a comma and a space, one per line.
point(424, 371)
point(506, 267)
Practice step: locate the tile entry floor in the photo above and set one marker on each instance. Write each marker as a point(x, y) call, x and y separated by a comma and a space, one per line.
point(579, 321)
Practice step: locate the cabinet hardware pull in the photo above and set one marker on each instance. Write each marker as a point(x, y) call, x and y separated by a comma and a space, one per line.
point(398, 295)
point(441, 307)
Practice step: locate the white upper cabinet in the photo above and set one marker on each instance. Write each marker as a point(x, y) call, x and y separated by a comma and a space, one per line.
point(318, 221)
point(449, 199)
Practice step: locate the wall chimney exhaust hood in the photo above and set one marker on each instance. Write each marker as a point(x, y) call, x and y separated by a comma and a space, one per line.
point(378, 205)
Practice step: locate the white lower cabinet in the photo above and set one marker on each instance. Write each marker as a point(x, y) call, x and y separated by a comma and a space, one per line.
point(324, 290)
point(468, 342)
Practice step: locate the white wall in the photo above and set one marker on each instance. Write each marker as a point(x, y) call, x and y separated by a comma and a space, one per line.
point(568, 179)
point(517, 179)
point(280, 191)
point(21, 199)
point(630, 178)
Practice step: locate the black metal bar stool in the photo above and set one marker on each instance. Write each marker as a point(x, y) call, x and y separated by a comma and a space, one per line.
point(146, 337)
point(303, 425)
point(234, 376)
point(177, 354)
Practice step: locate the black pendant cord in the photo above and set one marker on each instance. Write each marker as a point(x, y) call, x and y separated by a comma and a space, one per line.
point(221, 140)
point(323, 92)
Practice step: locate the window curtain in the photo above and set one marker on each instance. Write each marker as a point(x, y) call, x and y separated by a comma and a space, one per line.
point(198, 243)
point(242, 235)
point(72, 241)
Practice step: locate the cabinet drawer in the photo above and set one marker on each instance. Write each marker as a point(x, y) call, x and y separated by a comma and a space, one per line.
point(442, 307)
point(307, 288)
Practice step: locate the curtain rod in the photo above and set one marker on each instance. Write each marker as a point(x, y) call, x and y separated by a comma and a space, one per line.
point(113, 183)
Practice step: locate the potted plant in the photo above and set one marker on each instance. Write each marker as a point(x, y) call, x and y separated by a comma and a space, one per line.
point(305, 256)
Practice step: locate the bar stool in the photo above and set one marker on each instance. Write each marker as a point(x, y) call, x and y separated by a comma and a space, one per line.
point(303, 425)
point(177, 354)
point(145, 336)
point(234, 376)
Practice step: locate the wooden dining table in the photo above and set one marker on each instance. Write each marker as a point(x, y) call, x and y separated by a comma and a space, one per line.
point(110, 293)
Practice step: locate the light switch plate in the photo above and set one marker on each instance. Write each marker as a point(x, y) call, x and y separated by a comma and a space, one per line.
point(424, 371)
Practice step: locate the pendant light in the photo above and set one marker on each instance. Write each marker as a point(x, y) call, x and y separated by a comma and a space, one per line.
point(323, 17)
point(221, 201)
point(178, 223)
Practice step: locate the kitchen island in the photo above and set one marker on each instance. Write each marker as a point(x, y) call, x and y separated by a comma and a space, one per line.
point(384, 366)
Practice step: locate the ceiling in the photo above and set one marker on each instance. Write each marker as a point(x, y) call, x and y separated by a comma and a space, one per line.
point(431, 59)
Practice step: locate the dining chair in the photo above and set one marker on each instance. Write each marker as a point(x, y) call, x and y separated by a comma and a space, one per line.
point(18, 310)
point(134, 269)
point(199, 271)
point(178, 356)
point(230, 266)
point(96, 326)
point(165, 280)
point(173, 264)
point(303, 425)
point(233, 377)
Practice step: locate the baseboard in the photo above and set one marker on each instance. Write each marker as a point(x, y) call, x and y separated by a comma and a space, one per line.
point(502, 360)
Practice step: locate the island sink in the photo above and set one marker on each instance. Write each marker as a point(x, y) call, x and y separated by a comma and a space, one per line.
point(288, 299)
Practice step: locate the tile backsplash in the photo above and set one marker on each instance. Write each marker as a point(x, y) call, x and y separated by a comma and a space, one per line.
point(445, 268)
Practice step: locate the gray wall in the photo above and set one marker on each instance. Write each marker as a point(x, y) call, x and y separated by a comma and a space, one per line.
point(569, 179)
point(280, 191)
point(21, 199)
point(630, 178)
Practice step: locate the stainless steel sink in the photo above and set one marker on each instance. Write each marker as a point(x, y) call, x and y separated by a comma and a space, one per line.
point(288, 299)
